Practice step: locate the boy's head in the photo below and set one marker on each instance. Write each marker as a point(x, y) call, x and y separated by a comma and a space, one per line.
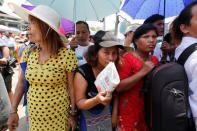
point(158, 21)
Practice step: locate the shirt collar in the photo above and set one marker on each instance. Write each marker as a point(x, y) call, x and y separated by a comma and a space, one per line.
point(186, 42)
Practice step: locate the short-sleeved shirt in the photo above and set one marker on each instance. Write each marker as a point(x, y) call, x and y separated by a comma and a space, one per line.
point(47, 97)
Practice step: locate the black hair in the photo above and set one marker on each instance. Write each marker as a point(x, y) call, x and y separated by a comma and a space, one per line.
point(154, 18)
point(83, 22)
point(184, 18)
point(143, 29)
point(98, 36)
point(91, 54)
point(168, 38)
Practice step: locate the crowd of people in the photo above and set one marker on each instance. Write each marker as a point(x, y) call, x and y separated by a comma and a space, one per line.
point(12, 45)
point(57, 75)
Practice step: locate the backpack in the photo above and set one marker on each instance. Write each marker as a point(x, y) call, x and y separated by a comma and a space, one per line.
point(166, 96)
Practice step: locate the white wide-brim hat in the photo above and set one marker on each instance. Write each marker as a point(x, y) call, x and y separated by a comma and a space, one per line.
point(43, 13)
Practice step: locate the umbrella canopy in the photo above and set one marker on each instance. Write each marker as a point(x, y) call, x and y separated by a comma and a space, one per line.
point(4, 28)
point(142, 9)
point(66, 26)
point(75, 10)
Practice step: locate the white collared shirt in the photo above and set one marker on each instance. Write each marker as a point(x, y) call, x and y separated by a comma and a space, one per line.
point(191, 70)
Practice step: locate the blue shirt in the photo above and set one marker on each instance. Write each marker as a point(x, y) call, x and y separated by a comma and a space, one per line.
point(1, 55)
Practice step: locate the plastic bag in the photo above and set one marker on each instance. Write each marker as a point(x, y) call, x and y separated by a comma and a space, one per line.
point(108, 79)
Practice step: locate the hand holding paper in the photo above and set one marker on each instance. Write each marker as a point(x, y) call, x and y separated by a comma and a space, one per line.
point(101, 98)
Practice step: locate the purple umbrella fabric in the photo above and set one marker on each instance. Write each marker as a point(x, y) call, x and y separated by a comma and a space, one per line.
point(29, 7)
point(66, 26)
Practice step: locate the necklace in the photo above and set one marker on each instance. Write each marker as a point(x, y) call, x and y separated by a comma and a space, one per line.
point(39, 48)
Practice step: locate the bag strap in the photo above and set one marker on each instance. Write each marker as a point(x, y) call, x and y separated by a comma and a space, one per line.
point(32, 45)
point(186, 53)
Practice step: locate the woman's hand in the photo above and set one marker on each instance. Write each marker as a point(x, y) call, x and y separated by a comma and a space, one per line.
point(3, 61)
point(147, 67)
point(72, 123)
point(165, 47)
point(103, 99)
point(13, 121)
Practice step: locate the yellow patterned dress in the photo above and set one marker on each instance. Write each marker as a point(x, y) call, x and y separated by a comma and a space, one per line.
point(47, 97)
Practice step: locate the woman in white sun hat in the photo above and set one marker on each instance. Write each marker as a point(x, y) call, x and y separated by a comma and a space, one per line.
point(49, 71)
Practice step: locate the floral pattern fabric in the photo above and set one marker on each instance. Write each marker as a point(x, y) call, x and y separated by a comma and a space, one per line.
point(131, 105)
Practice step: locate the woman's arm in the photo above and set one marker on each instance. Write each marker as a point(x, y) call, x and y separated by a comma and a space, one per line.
point(5, 52)
point(80, 87)
point(70, 76)
point(128, 83)
point(115, 109)
point(72, 121)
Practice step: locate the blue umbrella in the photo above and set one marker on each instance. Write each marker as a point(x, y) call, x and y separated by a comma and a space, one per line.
point(142, 9)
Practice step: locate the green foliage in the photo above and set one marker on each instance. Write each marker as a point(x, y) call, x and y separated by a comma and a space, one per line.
point(92, 28)
point(1, 2)
point(95, 28)
point(98, 28)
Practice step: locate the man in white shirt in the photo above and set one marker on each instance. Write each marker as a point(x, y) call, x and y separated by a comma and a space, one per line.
point(184, 32)
point(80, 42)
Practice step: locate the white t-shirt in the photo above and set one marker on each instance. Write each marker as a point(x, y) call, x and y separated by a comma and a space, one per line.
point(2, 42)
point(132, 45)
point(79, 51)
point(11, 43)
